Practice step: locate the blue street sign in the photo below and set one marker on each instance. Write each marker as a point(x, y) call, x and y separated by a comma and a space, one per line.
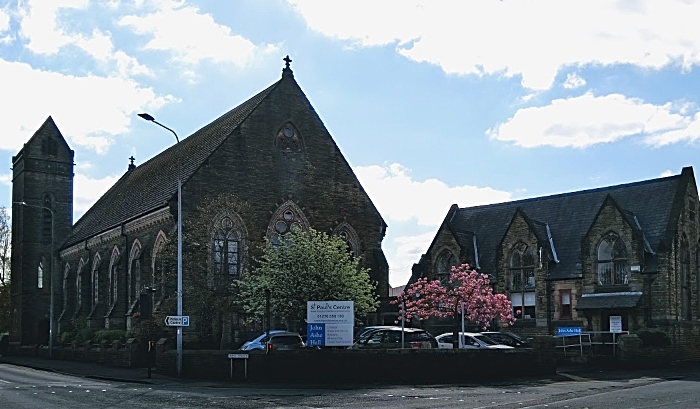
point(315, 335)
point(568, 331)
point(177, 320)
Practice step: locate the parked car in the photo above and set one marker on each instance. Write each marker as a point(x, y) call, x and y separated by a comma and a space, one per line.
point(285, 341)
point(362, 331)
point(508, 338)
point(390, 337)
point(470, 340)
point(259, 342)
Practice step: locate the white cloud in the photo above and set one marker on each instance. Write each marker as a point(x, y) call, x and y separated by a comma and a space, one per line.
point(403, 252)
point(391, 188)
point(46, 35)
point(4, 21)
point(574, 80)
point(88, 190)
point(203, 38)
point(588, 120)
point(4, 26)
point(667, 173)
point(99, 109)
point(6, 179)
point(689, 132)
point(534, 39)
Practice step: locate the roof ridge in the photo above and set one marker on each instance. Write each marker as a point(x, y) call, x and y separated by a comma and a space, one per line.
point(574, 193)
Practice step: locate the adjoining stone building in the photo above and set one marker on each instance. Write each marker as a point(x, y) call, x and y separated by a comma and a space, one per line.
point(575, 259)
point(272, 152)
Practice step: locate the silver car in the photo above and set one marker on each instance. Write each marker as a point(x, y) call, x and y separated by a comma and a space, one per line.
point(260, 342)
point(470, 340)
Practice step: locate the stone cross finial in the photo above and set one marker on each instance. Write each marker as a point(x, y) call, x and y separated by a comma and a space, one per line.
point(132, 159)
point(287, 60)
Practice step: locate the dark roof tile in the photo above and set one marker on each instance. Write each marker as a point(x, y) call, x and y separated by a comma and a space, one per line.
point(569, 217)
point(153, 184)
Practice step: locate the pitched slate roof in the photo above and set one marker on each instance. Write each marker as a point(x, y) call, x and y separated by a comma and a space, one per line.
point(569, 216)
point(609, 300)
point(153, 184)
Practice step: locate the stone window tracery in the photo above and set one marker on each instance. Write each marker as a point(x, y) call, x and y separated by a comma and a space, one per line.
point(40, 275)
point(134, 274)
point(114, 277)
point(79, 286)
point(227, 251)
point(288, 217)
point(64, 287)
point(522, 281)
point(686, 292)
point(288, 139)
point(349, 236)
point(158, 267)
point(613, 267)
point(95, 282)
point(443, 266)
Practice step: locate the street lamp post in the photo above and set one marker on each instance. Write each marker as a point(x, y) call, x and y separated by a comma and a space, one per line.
point(51, 275)
point(148, 117)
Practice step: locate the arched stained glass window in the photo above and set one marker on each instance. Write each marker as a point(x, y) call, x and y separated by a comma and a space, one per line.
point(288, 139)
point(227, 251)
point(114, 277)
point(40, 275)
point(522, 281)
point(288, 217)
point(686, 290)
point(612, 261)
point(443, 266)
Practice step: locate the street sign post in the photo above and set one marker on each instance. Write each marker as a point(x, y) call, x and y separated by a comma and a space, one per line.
point(244, 357)
point(177, 320)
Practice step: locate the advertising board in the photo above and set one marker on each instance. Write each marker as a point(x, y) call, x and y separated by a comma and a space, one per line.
point(329, 323)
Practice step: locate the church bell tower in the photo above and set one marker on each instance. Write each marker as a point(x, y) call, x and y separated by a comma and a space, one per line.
point(42, 215)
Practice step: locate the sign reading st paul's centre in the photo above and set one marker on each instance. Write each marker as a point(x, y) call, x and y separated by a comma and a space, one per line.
point(329, 323)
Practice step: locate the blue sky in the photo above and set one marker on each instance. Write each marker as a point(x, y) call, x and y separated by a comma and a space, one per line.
point(432, 102)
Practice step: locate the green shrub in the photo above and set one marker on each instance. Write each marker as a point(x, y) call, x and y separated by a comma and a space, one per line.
point(67, 337)
point(653, 338)
point(109, 335)
point(83, 333)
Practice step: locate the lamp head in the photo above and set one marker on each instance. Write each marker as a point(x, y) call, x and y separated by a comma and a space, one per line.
point(146, 117)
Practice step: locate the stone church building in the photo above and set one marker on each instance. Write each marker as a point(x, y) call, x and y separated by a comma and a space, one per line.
point(272, 152)
point(576, 259)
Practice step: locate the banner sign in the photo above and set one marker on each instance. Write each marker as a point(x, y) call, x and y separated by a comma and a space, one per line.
point(568, 331)
point(329, 323)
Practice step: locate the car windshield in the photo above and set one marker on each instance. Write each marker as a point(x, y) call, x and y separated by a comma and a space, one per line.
point(486, 340)
point(285, 339)
point(416, 336)
point(515, 337)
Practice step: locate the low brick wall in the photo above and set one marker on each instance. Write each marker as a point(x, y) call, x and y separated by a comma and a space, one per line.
point(633, 353)
point(129, 354)
point(330, 366)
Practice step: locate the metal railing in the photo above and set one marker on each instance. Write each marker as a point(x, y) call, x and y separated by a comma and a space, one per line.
point(589, 340)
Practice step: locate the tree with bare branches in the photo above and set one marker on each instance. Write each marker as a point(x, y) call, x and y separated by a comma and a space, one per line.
point(5, 250)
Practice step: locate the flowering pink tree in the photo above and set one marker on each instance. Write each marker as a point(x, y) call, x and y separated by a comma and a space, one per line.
point(424, 299)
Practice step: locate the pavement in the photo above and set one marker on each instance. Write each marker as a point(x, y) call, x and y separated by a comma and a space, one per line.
point(90, 370)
